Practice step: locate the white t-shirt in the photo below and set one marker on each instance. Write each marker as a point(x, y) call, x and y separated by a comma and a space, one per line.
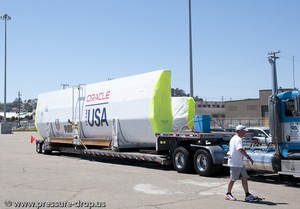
point(236, 158)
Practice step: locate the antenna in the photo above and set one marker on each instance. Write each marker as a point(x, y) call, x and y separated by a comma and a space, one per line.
point(294, 72)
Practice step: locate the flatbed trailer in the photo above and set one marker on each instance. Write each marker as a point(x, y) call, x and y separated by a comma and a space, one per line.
point(133, 117)
point(204, 152)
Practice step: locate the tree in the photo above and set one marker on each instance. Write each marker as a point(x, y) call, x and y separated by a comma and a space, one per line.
point(16, 102)
point(181, 93)
point(28, 107)
point(198, 98)
point(178, 93)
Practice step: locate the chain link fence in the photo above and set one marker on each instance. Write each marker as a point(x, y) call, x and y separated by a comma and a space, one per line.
point(233, 122)
point(23, 124)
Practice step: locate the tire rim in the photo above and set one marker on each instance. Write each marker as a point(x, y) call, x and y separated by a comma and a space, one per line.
point(179, 160)
point(201, 162)
point(43, 148)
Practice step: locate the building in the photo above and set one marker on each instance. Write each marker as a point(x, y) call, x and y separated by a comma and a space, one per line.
point(248, 108)
point(250, 112)
point(214, 109)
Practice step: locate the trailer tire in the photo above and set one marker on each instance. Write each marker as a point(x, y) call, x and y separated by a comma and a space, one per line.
point(44, 150)
point(182, 160)
point(38, 147)
point(203, 163)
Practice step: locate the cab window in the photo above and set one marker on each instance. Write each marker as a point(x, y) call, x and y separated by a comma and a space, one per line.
point(289, 108)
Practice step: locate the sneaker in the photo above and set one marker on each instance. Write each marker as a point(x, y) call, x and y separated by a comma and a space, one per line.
point(229, 197)
point(250, 198)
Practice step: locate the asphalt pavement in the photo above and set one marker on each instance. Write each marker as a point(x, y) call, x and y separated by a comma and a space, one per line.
point(31, 180)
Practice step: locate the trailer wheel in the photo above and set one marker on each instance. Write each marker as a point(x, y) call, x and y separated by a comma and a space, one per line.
point(38, 147)
point(203, 163)
point(44, 150)
point(182, 160)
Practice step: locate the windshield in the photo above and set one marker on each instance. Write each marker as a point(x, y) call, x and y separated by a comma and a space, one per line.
point(289, 107)
point(267, 131)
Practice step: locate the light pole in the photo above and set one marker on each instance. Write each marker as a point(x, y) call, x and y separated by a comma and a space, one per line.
point(5, 18)
point(191, 51)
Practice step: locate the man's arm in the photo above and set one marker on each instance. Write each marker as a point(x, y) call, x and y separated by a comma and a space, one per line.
point(244, 153)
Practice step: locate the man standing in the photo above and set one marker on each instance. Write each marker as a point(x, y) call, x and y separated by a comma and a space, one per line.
point(235, 162)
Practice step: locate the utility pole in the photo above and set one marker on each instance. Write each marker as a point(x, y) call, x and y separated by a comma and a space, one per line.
point(19, 108)
point(273, 103)
point(272, 60)
point(64, 85)
point(272, 55)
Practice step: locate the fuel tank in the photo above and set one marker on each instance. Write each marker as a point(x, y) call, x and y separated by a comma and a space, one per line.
point(265, 159)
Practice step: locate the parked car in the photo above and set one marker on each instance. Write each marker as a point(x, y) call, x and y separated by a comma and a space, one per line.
point(262, 134)
point(230, 129)
point(217, 130)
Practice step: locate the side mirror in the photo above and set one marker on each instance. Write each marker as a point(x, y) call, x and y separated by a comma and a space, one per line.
point(296, 112)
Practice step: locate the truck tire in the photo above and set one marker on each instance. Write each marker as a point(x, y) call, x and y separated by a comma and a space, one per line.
point(182, 160)
point(38, 147)
point(203, 163)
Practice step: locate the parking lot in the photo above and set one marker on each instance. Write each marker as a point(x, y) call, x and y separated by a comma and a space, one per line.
point(31, 180)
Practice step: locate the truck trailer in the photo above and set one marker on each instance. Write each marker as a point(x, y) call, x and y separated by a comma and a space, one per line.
point(133, 118)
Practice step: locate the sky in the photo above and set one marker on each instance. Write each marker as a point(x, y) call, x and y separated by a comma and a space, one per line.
point(55, 42)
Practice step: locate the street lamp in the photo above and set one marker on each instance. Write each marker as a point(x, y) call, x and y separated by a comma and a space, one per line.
point(191, 50)
point(5, 18)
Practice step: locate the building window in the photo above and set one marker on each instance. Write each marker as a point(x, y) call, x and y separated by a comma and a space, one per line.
point(251, 107)
point(264, 111)
point(232, 108)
